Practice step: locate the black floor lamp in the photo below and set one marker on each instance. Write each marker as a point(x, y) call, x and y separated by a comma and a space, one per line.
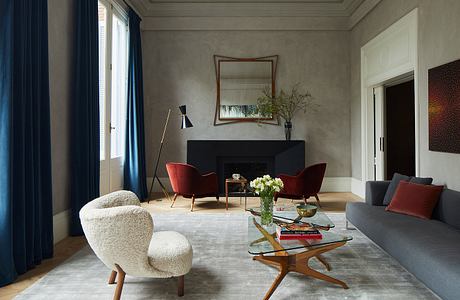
point(185, 123)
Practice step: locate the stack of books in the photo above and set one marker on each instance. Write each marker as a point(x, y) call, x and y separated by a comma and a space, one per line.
point(297, 232)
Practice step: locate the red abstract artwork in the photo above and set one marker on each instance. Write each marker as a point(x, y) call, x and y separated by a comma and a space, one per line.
point(444, 107)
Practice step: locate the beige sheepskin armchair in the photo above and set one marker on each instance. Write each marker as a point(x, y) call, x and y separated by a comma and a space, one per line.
point(120, 232)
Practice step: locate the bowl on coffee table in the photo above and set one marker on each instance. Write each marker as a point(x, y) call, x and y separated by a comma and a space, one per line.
point(306, 210)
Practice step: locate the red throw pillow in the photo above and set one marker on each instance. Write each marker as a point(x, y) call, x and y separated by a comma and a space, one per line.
point(414, 199)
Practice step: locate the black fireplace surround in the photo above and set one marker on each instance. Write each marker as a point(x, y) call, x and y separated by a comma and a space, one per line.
point(250, 158)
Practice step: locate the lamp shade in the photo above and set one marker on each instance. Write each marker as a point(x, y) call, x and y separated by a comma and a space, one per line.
point(185, 121)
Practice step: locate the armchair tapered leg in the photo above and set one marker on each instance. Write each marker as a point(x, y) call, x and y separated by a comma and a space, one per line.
point(174, 200)
point(112, 277)
point(305, 198)
point(193, 202)
point(317, 200)
point(120, 282)
point(180, 285)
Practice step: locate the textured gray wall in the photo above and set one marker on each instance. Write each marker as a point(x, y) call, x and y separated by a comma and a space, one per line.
point(438, 43)
point(61, 36)
point(179, 69)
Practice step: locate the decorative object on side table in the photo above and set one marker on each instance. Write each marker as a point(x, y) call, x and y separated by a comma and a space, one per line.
point(266, 187)
point(185, 123)
point(285, 105)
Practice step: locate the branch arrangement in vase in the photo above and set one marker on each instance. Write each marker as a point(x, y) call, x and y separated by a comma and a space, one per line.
point(285, 105)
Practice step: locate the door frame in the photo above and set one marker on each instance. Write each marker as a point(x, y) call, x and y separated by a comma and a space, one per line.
point(386, 58)
point(109, 164)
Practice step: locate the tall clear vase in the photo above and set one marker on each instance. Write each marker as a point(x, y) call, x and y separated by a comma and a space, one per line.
point(266, 210)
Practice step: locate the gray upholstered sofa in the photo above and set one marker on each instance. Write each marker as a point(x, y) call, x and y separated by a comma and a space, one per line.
point(429, 249)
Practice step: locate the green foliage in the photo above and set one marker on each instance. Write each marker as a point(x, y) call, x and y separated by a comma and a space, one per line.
point(284, 104)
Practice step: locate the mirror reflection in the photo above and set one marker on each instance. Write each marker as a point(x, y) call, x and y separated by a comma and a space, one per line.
point(240, 82)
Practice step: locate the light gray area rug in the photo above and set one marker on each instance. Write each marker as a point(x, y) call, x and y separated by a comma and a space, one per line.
point(223, 269)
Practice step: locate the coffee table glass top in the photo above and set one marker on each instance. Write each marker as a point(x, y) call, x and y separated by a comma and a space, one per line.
point(289, 212)
point(258, 244)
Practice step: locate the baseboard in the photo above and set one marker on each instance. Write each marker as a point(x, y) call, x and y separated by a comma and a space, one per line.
point(330, 184)
point(61, 222)
point(358, 187)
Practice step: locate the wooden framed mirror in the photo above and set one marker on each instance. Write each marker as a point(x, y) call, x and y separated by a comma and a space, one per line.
point(240, 82)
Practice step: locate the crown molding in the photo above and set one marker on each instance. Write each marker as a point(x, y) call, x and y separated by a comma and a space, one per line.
point(249, 8)
point(244, 23)
point(361, 11)
point(163, 15)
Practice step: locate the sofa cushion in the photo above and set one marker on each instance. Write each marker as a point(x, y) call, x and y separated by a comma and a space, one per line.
point(393, 186)
point(400, 177)
point(421, 180)
point(416, 200)
point(448, 208)
point(427, 248)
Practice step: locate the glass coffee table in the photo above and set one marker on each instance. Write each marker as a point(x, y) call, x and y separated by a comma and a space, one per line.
point(293, 255)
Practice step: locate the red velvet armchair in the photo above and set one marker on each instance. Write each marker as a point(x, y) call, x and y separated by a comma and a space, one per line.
point(303, 185)
point(187, 181)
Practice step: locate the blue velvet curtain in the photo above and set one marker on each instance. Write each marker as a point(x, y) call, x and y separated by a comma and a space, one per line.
point(134, 169)
point(85, 113)
point(26, 221)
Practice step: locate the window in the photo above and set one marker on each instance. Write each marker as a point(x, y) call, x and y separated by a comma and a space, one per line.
point(119, 86)
point(102, 66)
point(113, 75)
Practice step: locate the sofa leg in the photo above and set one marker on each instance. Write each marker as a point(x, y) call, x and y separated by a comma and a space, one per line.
point(120, 282)
point(347, 227)
point(180, 285)
point(193, 202)
point(112, 277)
point(174, 200)
point(317, 200)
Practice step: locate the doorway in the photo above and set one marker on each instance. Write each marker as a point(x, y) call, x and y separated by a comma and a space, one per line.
point(394, 132)
point(400, 129)
point(113, 62)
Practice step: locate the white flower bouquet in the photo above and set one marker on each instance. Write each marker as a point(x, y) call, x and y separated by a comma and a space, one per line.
point(266, 187)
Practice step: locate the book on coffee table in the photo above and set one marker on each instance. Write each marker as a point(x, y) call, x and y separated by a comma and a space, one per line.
point(297, 231)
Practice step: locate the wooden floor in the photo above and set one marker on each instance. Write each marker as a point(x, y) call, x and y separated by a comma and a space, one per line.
point(333, 202)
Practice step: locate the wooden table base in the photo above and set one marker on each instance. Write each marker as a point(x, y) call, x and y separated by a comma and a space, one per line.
point(298, 262)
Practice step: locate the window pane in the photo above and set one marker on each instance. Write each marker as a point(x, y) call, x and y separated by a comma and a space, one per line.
point(119, 86)
point(102, 58)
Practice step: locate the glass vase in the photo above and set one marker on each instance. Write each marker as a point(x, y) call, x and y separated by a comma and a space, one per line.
point(266, 210)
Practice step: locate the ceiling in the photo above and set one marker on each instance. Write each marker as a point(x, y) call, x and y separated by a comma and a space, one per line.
point(251, 14)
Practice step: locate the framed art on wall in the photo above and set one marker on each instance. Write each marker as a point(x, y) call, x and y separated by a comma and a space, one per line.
point(444, 107)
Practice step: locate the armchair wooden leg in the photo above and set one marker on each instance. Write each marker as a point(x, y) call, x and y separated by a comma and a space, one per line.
point(317, 200)
point(193, 202)
point(180, 285)
point(305, 199)
point(174, 200)
point(112, 277)
point(120, 282)
point(217, 198)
